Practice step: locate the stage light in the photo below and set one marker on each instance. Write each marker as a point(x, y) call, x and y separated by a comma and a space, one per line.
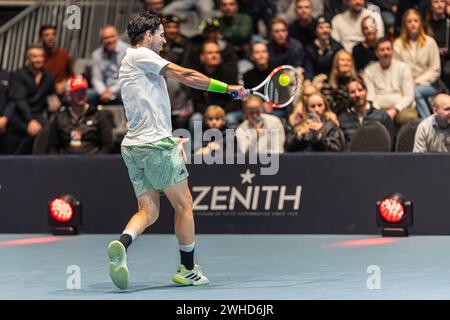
point(395, 215)
point(64, 215)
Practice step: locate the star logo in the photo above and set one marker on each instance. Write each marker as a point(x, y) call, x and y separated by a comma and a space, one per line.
point(247, 177)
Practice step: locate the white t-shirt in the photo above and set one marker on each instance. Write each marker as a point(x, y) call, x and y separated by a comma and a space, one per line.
point(145, 97)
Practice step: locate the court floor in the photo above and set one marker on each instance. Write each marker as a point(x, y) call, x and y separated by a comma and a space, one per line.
point(239, 267)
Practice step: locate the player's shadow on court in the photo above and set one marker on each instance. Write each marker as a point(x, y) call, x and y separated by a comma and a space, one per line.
point(109, 288)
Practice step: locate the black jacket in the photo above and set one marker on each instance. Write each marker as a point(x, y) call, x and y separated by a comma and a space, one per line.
point(91, 134)
point(349, 121)
point(30, 100)
point(323, 61)
point(329, 138)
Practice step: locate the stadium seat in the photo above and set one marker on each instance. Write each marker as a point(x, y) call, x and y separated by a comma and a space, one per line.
point(371, 137)
point(119, 119)
point(405, 137)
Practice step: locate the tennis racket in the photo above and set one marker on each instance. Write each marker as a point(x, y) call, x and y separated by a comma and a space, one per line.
point(279, 88)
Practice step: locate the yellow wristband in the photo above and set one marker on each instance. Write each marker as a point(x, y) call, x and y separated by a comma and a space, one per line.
point(217, 86)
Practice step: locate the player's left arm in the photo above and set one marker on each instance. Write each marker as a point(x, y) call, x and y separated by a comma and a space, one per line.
point(198, 80)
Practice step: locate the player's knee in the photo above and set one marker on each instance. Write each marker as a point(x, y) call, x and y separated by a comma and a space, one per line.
point(184, 207)
point(150, 215)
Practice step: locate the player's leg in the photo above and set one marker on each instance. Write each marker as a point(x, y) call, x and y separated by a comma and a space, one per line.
point(180, 198)
point(148, 213)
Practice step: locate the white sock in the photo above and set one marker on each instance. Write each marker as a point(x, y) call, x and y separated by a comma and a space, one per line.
point(131, 233)
point(187, 248)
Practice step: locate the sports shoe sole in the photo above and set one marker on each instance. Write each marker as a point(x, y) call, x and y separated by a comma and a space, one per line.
point(118, 270)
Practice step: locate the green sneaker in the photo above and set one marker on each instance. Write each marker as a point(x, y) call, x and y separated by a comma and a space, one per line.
point(118, 270)
point(192, 277)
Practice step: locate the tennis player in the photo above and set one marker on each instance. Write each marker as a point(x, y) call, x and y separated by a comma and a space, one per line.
point(154, 158)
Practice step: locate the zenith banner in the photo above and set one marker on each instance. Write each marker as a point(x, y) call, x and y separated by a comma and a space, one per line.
point(308, 194)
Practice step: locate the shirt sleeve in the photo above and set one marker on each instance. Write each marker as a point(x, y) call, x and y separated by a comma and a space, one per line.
point(97, 78)
point(148, 61)
point(407, 85)
point(420, 143)
point(434, 64)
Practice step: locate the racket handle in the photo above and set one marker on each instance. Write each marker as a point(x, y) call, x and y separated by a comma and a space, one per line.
point(234, 94)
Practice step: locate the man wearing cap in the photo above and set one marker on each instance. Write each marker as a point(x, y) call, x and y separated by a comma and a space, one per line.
point(322, 51)
point(80, 128)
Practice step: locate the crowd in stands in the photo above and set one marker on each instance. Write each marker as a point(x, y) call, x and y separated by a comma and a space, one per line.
point(360, 62)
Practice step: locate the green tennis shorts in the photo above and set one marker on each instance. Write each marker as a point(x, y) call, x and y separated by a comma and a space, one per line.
point(154, 166)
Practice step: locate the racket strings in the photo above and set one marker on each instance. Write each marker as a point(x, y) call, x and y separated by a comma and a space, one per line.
point(280, 93)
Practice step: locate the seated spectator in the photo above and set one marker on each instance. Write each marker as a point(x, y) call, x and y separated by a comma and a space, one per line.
point(260, 132)
point(57, 60)
point(433, 133)
point(302, 29)
point(388, 10)
point(254, 77)
point(237, 28)
point(421, 53)
point(361, 111)
point(324, 47)
point(6, 110)
point(332, 8)
point(347, 25)
point(214, 120)
point(437, 27)
point(210, 32)
point(364, 52)
point(286, 50)
point(403, 6)
point(390, 84)
point(335, 89)
point(317, 131)
point(213, 67)
point(32, 91)
point(105, 64)
point(176, 47)
point(80, 128)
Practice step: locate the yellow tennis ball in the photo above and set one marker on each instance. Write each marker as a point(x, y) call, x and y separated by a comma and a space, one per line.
point(284, 80)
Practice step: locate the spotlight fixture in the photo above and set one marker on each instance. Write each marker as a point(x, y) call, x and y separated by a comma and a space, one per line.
point(395, 215)
point(64, 215)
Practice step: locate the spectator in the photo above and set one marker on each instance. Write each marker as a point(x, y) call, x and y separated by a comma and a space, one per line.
point(211, 32)
point(80, 128)
point(176, 51)
point(191, 13)
point(332, 8)
point(259, 10)
point(404, 5)
point(364, 52)
point(302, 29)
point(324, 47)
point(438, 27)
point(237, 28)
point(286, 50)
point(30, 89)
point(388, 10)
point(105, 65)
point(335, 89)
point(214, 121)
point(260, 132)
point(433, 133)
point(213, 67)
point(421, 53)
point(57, 60)
point(318, 129)
point(361, 111)
point(6, 110)
point(156, 6)
point(347, 25)
point(390, 84)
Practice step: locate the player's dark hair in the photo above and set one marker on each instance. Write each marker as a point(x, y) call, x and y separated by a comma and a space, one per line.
point(46, 27)
point(140, 23)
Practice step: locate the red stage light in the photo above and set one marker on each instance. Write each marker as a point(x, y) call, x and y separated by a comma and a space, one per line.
point(392, 210)
point(61, 210)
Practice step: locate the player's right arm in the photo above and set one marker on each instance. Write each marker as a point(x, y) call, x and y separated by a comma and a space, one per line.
point(198, 80)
